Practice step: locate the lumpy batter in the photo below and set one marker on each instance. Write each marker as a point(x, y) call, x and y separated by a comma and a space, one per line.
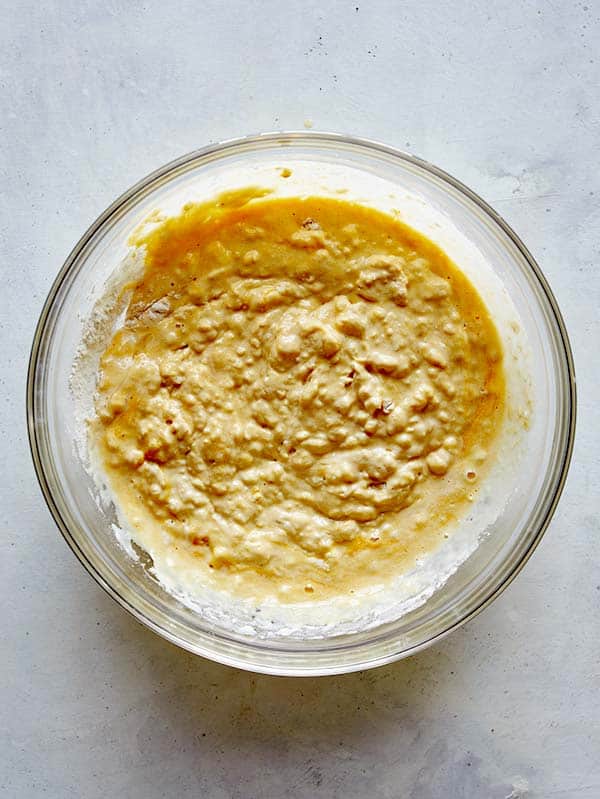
point(303, 396)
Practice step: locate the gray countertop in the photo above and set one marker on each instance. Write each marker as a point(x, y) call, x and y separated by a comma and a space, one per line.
point(95, 95)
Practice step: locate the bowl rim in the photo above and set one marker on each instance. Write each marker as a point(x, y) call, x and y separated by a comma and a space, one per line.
point(283, 139)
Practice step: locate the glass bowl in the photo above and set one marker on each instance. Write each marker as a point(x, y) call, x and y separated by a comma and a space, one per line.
point(332, 162)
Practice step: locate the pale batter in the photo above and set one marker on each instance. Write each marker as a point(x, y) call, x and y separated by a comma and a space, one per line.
point(305, 393)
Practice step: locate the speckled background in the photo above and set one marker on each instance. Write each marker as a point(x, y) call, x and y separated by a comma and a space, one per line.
point(96, 94)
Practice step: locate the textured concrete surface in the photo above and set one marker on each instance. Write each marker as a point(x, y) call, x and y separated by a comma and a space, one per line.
point(96, 94)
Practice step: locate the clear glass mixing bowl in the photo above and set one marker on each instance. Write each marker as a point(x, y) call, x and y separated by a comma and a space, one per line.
point(86, 526)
